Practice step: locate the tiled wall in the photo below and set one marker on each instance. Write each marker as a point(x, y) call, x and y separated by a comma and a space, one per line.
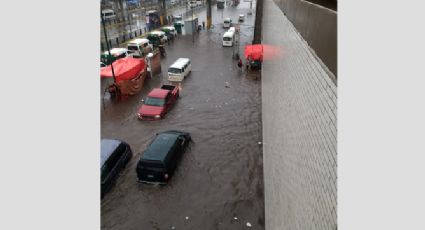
point(317, 25)
point(299, 130)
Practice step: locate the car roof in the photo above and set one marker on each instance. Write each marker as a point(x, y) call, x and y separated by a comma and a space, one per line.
point(158, 32)
point(158, 93)
point(139, 41)
point(180, 62)
point(107, 147)
point(116, 51)
point(228, 34)
point(159, 148)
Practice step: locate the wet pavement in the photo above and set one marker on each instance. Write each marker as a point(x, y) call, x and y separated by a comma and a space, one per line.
point(220, 176)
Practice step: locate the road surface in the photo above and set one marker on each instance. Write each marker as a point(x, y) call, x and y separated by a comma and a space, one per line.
point(218, 183)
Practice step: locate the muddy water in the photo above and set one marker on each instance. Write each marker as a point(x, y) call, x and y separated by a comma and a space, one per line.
point(220, 175)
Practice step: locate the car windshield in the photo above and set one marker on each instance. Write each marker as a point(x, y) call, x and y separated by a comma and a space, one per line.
point(154, 101)
point(227, 39)
point(174, 70)
point(132, 48)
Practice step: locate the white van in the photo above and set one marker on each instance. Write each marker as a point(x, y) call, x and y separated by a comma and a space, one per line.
point(228, 38)
point(179, 69)
point(139, 47)
point(108, 14)
point(227, 22)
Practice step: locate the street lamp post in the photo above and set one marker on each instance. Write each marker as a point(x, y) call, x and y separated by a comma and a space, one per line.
point(193, 29)
point(107, 46)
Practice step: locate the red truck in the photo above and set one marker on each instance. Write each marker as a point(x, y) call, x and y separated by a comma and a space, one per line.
point(158, 102)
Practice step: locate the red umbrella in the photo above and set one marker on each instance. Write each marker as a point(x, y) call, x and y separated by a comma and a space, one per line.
point(254, 52)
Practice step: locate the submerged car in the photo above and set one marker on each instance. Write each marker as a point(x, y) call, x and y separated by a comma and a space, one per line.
point(159, 160)
point(158, 102)
point(114, 155)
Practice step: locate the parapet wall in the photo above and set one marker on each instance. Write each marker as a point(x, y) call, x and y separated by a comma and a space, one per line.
point(317, 25)
point(299, 106)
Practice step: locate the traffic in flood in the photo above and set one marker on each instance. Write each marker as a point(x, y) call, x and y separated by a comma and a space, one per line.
point(213, 151)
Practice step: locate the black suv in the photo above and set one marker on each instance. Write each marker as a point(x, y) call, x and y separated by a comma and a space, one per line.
point(114, 155)
point(159, 160)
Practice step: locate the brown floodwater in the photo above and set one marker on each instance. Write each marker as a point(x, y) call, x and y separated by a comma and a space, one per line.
point(220, 176)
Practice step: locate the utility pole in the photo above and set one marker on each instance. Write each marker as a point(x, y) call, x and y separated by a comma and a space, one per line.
point(257, 25)
point(163, 16)
point(129, 20)
point(209, 20)
point(193, 29)
point(107, 45)
point(119, 4)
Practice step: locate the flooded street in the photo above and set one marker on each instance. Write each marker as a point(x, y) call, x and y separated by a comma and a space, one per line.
point(220, 176)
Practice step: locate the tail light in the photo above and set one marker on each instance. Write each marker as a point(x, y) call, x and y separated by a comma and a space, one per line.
point(166, 176)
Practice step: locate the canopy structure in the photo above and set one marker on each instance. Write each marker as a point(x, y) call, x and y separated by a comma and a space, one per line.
point(254, 52)
point(260, 52)
point(125, 69)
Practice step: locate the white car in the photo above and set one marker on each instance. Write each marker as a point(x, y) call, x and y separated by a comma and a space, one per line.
point(161, 35)
point(227, 23)
point(241, 17)
point(173, 30)
point(192, 4)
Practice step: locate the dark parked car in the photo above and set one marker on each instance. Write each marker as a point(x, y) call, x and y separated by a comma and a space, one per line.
point(114, 155)
point(158, 162)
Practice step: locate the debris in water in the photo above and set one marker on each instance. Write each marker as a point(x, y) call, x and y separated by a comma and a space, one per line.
point(187, 217)
point(248, 224)
point(235, 218)
point(260, 143)
point(173, 227)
